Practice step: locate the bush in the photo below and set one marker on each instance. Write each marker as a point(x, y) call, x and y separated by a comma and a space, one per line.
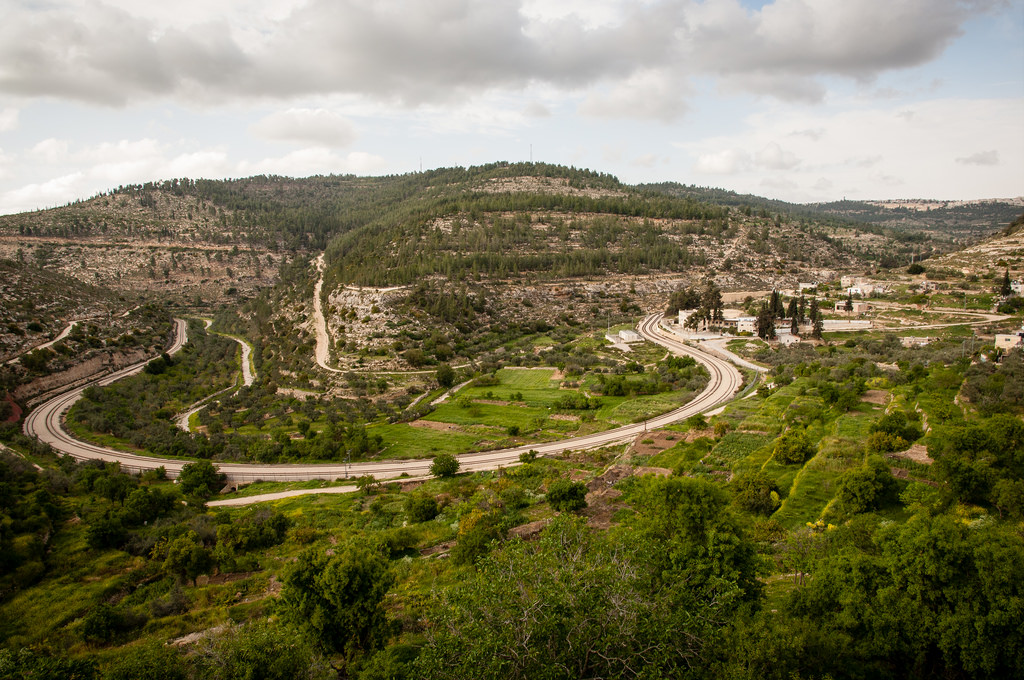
point(200, 479)
point(757, 493)
point(420, 508)
point(793, 447)
point(444, 465)
point(865, 488)
point(567, 496)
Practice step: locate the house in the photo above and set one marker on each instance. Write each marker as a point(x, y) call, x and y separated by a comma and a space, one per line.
point(746, 324)
point(628, 336)
point(801, 287)
point(1010, 340)
point(910, 341)
point(1017, 287)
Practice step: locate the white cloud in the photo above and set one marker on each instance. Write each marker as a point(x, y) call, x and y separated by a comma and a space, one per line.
point(413, 52)
point(870, 152)
point(50, 151)
point(8, 119)
point(103, 166)
point(990, 157)
point(724, 162)
point(6, 164)
point(314, 161)
point(774, 157)
point(318, 127)
point(650, 94)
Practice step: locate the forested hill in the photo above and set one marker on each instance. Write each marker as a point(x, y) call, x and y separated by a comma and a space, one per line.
point(493, 221)
point(959, 221)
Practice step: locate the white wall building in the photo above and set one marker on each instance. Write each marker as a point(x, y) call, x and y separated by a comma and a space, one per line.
point(628, 336)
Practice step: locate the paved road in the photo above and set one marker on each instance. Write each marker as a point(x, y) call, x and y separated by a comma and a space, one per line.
point(46, 423)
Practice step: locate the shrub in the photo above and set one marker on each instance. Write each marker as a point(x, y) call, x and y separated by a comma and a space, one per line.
point(567, 496)
point(444, 465)
point(757, 493)
point(793, 447)
point(420, 508)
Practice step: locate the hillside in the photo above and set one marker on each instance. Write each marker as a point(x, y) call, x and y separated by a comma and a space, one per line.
point(850, 508)
point(203, 238)
point(947, 223)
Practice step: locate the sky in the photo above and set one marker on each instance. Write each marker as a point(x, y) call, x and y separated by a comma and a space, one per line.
point(800, 100)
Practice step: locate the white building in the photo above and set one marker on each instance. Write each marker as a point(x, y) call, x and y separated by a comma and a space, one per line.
point(1010, 340)
point(628, 336)
point(746, 324)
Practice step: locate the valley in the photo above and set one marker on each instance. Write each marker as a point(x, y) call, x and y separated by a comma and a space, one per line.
point(479, 392)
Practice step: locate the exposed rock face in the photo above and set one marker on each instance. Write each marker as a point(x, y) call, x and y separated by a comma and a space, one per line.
point(103, 363)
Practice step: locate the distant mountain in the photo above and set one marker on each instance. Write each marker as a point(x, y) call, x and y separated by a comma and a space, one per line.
point(956, 221)
point(210, 239)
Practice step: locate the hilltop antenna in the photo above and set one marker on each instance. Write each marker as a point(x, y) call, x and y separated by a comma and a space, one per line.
point(421, 163)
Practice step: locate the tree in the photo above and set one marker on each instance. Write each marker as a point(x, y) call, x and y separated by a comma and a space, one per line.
point(573, 604)
point(420, 507)
point(29, 664)
point(915, 268)
point(765, 323)
point(696, 538)
point(415, 357)
point(711, 301)
point(934, 597)
point(200, 479)
point(849, 302)
point(444, 465)
point(794, 325)
point(259, 650)
point(339, 599)
point(1005, 286)
point(793, 447)
point(757, 493)
point(866, 488)
point(567, 496)
point(445, 375)
point(793, 310)
point(818, 328)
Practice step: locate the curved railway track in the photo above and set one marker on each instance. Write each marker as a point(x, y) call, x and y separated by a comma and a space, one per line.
point(47, 423)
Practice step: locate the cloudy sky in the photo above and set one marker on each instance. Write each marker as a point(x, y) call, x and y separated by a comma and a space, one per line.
point(802, 100)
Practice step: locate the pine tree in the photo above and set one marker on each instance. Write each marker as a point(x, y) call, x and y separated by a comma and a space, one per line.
point(765, 323)
point(793, 311)
point(849, 302)
point(1006, 288)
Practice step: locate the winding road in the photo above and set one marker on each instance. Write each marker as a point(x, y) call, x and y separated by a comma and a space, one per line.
point(248, 378)
point(47, 423)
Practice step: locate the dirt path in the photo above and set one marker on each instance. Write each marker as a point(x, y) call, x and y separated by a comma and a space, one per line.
point(323, 341)
point(444, 397)
point(248, 378)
